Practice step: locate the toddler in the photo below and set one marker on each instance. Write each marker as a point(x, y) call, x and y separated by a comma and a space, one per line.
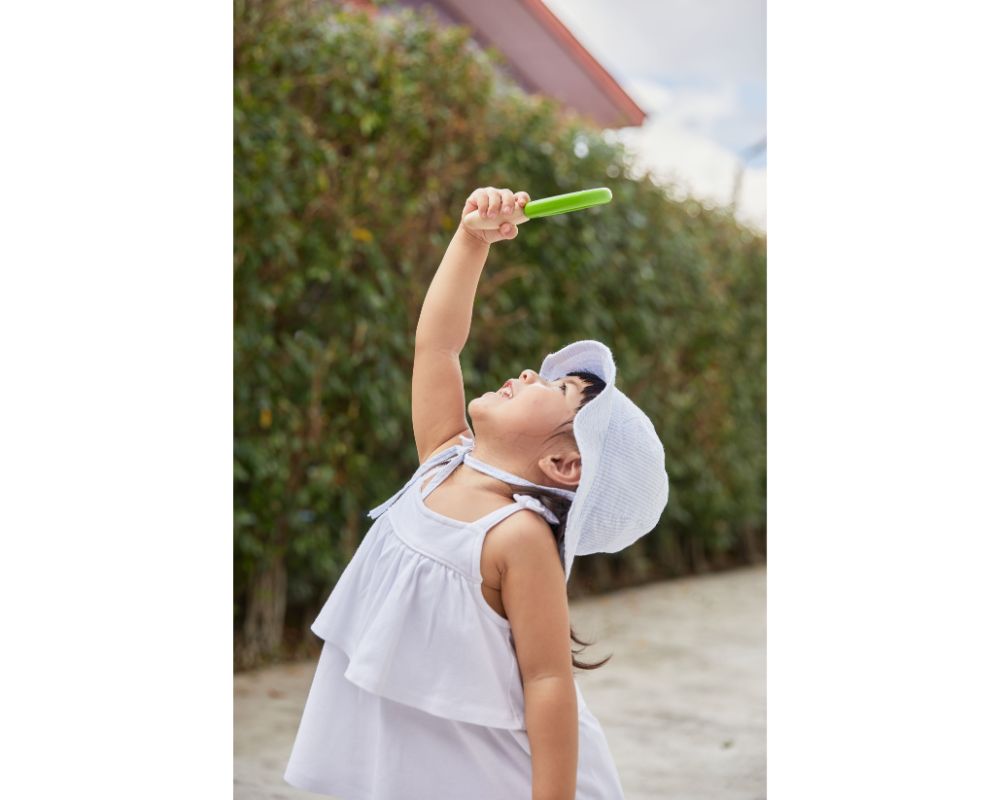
point(446, 667)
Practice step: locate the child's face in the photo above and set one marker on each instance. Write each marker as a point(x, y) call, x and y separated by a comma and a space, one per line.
point(534, 410)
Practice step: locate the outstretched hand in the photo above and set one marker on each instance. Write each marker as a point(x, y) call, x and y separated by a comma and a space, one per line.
point(496, 204)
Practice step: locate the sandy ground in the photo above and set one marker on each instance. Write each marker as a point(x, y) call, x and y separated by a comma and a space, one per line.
point(682, 701)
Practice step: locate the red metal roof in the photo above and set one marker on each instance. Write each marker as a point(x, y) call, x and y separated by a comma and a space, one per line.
point(542, 55)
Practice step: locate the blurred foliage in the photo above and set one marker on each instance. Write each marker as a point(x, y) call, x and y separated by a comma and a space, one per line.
point(357, 139)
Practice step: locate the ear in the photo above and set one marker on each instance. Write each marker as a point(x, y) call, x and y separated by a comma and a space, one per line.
point(564, 468)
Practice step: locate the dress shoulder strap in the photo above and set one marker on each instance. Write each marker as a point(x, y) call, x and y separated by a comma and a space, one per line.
point(453, 453)
point(443, 471)
point(521, 501)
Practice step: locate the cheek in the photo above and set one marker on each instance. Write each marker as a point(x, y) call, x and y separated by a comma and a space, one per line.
point(538, 410)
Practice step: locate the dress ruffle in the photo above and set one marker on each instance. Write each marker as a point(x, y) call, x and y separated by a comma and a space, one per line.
point(394, 610)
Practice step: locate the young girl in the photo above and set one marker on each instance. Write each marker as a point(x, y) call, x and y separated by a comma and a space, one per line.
point(446, 669)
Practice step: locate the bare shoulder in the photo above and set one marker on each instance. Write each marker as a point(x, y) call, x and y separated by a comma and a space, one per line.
point(524, 536)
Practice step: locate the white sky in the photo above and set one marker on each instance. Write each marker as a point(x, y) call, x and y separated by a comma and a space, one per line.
point(699, 71)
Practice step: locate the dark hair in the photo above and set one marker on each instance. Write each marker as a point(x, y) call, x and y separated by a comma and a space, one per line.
point(560, 505)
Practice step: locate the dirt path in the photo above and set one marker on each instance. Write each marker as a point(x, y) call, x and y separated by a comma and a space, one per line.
point(682, 701)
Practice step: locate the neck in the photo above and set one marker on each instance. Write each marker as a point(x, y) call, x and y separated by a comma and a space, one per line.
point(527, 470)
point(471, 478)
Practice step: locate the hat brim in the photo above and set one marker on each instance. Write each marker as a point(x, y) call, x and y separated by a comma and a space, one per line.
point(587, 354)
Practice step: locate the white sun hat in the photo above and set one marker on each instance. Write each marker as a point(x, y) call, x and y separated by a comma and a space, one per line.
point(623, 485)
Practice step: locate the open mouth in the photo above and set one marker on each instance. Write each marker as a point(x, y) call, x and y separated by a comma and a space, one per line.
point(506, 390)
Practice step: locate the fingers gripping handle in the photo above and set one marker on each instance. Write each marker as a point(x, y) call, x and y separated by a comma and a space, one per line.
point(474, 221)
point(545, 207)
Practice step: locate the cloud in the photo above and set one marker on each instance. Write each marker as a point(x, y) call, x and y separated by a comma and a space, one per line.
point(734, 116)
point(653, 97)
point(699, 70)
point(721, 40)
point(689, 164)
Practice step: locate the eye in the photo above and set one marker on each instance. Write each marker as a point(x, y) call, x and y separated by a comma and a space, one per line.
point(564, 388)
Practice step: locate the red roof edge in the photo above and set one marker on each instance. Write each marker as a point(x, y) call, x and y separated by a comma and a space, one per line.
point(633, 113)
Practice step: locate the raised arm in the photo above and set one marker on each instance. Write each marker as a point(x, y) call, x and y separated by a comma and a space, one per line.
point(438, 391)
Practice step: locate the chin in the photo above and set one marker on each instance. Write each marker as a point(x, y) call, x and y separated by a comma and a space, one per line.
point(479, 409)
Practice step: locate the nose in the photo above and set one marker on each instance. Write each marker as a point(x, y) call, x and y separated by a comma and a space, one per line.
point(529, 376)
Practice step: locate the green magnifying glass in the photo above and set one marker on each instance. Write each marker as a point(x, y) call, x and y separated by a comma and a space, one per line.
point(544, 207)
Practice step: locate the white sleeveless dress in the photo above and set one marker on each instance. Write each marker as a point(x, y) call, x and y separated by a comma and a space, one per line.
point(417, 694)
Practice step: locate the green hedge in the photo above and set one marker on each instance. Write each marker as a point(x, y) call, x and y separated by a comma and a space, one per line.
point(357, 139)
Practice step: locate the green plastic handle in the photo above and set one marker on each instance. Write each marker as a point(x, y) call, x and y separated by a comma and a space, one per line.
point(562, 203)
